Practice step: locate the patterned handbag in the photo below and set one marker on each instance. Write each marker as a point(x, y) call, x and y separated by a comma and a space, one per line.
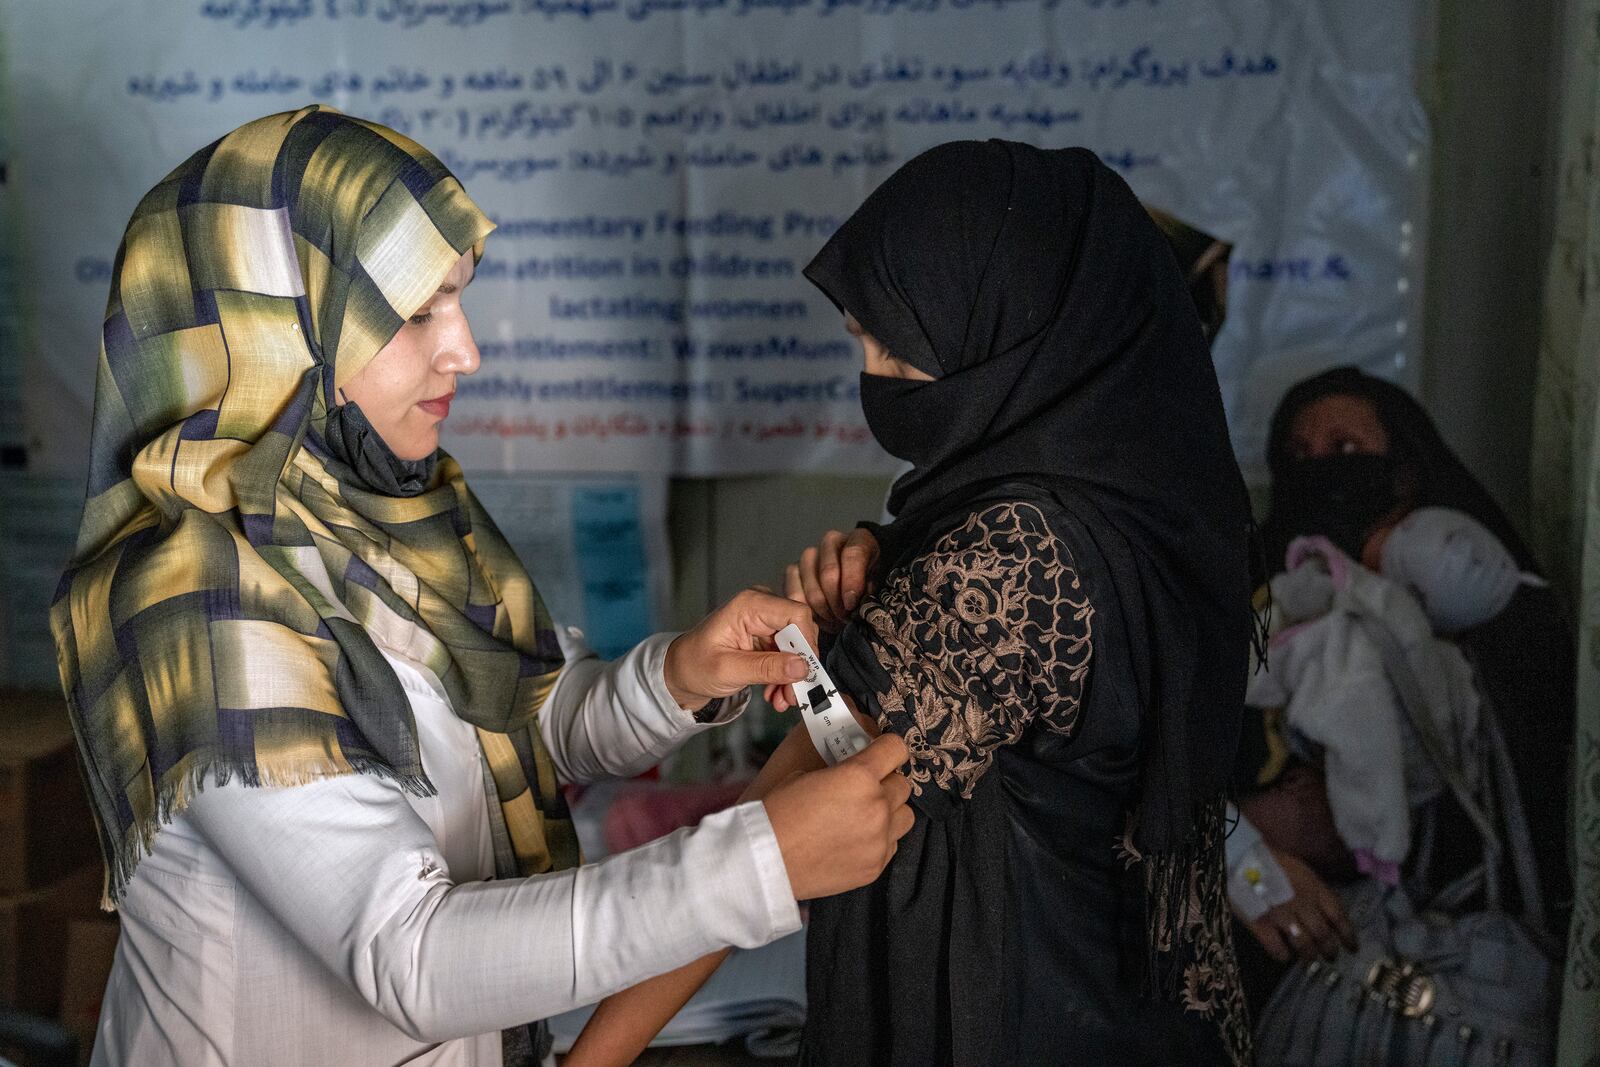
point(1430, 987)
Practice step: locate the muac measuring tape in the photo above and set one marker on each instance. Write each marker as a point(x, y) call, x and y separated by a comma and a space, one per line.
point(833, 729)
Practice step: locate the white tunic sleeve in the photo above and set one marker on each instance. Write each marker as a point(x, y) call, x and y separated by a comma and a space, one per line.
point(615, 719)
point(352, 872)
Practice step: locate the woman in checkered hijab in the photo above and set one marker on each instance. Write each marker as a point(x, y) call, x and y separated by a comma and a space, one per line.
point(281, 581)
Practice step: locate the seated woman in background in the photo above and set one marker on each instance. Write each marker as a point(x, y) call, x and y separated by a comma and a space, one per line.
point(1060, 633)
point(1356, 461)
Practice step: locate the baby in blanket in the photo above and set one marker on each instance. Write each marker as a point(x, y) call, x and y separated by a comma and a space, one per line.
point(1344, 634)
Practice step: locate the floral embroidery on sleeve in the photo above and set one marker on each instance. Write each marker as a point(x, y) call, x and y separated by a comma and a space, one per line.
point(981, 636)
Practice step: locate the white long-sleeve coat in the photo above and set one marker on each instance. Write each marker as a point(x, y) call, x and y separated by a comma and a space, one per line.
point(346, 922)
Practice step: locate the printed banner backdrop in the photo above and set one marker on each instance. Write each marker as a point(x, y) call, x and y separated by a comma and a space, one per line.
point(662, 169)
point(595, 546)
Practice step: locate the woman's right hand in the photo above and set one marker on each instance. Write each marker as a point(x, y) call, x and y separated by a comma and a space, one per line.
point(838, 828)
point(1310, 925)
point(831, 576)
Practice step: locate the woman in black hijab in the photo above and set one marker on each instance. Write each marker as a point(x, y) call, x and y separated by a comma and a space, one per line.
point(1350, 456)
point(1060, 630)
point(1359, 489)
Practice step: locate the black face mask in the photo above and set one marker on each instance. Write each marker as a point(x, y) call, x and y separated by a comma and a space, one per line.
point(904, 415)
point(352, 441)
point(1341, 497)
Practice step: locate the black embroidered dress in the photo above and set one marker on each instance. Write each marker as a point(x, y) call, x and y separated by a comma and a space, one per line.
point(1061, 630)
point(1009, 928)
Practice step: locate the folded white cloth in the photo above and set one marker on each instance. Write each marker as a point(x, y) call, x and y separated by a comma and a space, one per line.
point(1458, 569)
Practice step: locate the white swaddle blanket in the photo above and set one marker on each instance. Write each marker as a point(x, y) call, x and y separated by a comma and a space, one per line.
point(1327, 670)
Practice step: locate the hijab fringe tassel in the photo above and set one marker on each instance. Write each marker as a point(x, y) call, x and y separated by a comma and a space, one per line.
point(1175, 906)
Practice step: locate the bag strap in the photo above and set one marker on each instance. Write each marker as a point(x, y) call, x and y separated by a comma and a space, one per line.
point(1498, 770)
point(1518, 833)
point(1425, 829)
point(1418, 712)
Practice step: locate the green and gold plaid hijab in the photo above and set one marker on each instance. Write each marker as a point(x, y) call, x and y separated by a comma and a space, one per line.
point(223, 609)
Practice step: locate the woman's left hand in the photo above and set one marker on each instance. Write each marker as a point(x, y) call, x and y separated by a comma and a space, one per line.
point(833, 575)
point(1310, 925)
point(732, 648)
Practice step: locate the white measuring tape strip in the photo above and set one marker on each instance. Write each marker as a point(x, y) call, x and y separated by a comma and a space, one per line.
point(833, 729)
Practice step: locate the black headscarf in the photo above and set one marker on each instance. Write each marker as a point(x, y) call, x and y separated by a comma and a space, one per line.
point(1036, 290)
point(1523, 657)
point(1419, 471)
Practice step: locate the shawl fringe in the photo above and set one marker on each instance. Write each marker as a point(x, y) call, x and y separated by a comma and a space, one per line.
point(1187, 956)
point(180, 788)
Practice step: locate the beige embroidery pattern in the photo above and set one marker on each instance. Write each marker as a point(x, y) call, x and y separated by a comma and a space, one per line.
point(1203, 937)
point(981, 636)
point(1212, 986)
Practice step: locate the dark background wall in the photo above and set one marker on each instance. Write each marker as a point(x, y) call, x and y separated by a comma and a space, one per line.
point(1490, 88)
